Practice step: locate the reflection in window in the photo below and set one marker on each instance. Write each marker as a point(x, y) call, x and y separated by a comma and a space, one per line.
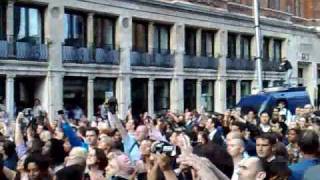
point(27, 24)
point(245, 47)
point(277, 50)
point(162, 39)
point(232, 45)
point(104, 36)
point(207, 43)
point(190, 41)
point(266, 42)
point(207, 95)
point(161, 95)
point(2, 22)
point(297, 7)
point(245, 88)
point(140, 37)
point(74, 30)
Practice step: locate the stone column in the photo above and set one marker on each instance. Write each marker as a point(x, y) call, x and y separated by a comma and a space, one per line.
point(54, 34)
point(150, 37)
point(311, 81)
point(177, 95)
point(151, 97)
point(10, 21)
point(238, 46)
point(177, 43)
point(221, 49)
point(198, 42)
point(124, 43)
point(90, 30)
point(90, 96)
point(55, 93)
point(198, 94)
point(238, 90)
point(123, 94)
point(10, 95)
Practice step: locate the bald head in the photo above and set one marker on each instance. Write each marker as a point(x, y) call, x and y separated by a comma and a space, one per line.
point(141, 133)
point(233, 135)
point(251, 169)
point(235, 148)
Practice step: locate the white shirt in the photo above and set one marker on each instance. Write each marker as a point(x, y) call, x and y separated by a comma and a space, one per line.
point(265, 128)
point(212, 133)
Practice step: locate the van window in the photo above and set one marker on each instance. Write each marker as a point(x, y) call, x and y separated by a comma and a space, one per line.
point(251, 103)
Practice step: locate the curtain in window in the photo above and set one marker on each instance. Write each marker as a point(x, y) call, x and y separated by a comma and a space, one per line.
point(190, 42)
point(74, 30)
point(245, 47)
point(232, 41)
point(2, 22)
point(27, 25)
point(140, 37)
point(104, 32)
point(277, 50)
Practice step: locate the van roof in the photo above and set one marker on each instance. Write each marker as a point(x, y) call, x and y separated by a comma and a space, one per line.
point(270, 91)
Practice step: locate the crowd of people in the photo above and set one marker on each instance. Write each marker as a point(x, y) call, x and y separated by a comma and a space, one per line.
point(275, 145)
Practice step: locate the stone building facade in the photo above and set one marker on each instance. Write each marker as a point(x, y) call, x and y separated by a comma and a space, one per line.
point(153, 55)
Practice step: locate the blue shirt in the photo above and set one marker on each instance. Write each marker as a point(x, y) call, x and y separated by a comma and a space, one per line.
point(131, 148)
point(298, 169)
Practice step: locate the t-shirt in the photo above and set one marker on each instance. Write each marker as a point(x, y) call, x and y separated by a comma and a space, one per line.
point(299, 168)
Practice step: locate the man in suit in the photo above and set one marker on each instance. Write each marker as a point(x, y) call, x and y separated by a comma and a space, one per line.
point(214, 135)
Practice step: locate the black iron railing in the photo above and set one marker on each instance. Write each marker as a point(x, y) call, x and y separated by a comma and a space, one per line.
point(200, 62)
point(158, 58)
point(23, 50)
point(240, 64)
point(97, 55)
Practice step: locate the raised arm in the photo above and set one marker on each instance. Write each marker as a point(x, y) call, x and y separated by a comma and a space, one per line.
point(119, 126)
point(18, 137)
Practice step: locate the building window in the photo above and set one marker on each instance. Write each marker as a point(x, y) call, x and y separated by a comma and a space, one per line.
point(300, 72)
point(161, 95)
point(231, 93)
point(274, 4)
point(161, 37)
point(2, 22)
point(104, 32)
point(207, 95)
point(28, 24)
point(245, 47)
point(277, 50)
point(207, 44)
point(140, 36)
point(266, 42)
point(190, 41)
point(232, 45)
point(297, 7)
point(245, 88)
point(74, 29)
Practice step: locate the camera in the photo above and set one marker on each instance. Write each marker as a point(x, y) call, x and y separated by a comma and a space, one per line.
point(112, 105)
point(163, 147)
point(27, 112)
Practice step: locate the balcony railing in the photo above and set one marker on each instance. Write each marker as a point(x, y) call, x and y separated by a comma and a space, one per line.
point(240, 64)
point(28, 51)
point(200, 62)
point(268, 65)
point(96, 55)
point(159, 58)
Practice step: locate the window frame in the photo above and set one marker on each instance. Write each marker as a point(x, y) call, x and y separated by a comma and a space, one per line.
point(135, 33)
point(157, 29)
point(102, 18)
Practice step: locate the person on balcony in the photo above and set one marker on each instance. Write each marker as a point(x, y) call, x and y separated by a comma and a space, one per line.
point(285, 66)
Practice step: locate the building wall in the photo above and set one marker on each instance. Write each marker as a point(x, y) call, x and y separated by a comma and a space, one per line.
point(220, 16)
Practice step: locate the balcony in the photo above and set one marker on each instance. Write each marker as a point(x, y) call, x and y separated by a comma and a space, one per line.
point(159, 58)
point(26, 51)
point(240, 64)
point(91, 55)
point(268, 65)
point(200, 62)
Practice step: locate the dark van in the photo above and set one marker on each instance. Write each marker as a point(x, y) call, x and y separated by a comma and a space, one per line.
point(267, 100)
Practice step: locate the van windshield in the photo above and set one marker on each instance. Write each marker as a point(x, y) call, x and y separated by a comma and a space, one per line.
point(252, 103)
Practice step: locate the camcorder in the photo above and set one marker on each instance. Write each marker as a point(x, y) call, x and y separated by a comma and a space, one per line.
point(161, 147)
